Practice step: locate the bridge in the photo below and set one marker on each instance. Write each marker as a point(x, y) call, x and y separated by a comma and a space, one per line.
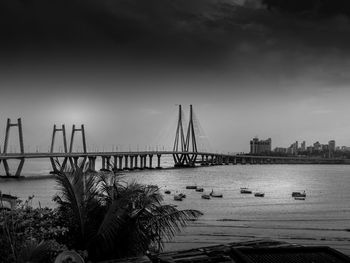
point(184, 153)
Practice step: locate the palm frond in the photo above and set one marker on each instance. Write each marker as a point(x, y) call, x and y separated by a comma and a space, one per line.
point(34, 252)
point(78, 195)
point(166, 221)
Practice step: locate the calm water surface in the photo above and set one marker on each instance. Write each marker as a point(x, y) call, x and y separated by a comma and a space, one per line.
point(322, 219)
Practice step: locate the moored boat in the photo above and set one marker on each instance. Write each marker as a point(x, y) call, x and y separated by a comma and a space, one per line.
point(167, 192)
point(299, 194)
point(259, 194)
point(191, 187)
point(182, 195)
point(212, 194)
point(177, 198)
point(200, 189)
point(205, 196)
point(245, 190)
point(299, 198)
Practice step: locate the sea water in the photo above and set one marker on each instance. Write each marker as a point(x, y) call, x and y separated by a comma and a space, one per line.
point(322, 219)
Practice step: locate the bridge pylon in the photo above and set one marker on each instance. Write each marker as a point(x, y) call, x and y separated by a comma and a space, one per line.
point(54, 162)
point(74, 161)
point(187, 147)
point(21, 145)
point(179, 143)
point(191, 143)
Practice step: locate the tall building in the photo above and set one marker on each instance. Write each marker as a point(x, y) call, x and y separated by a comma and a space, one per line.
point(317, 146)
point(293, 148)
point(260, 146)
point(331, 145)
point(303, 146)
point(331, 148)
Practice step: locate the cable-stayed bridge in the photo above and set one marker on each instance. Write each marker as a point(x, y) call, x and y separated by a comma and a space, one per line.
point(185, 152)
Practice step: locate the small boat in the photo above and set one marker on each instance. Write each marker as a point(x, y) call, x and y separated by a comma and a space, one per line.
point(259, 194)
point(245, 190)
point(167, 192)
point(177, 198)
point(212, 194)
point(299, 198)
point(206, 196)
point(200, 189)
point(191, 187)
point(299, 194)
point(182, 195)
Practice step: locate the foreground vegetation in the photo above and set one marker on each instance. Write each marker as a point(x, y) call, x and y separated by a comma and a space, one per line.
point(97, 215)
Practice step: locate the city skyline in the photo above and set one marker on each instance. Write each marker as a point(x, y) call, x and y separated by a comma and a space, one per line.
point(248, 70)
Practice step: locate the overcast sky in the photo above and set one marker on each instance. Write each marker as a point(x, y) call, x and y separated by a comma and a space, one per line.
point(121, 67)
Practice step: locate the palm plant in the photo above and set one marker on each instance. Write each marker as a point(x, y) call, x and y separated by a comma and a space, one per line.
point(110, 218)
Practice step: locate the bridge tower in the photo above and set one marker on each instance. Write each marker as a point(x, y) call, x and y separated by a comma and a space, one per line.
point(179, 143)
point(187, 147)
point(54, 162)
point(74, 160)
point(191, 143)
point(21, 145)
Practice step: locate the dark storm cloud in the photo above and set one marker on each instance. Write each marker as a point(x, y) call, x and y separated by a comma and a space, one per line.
point(314, 8)
point(196, 32)
point(139, 22)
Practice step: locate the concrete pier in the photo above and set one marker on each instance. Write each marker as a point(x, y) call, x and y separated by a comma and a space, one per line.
point(158, 161)
point(92, 164)
point(126, 167)
point(136, 163)
point(120, 160)
point(115, 163)
point(150, 156)
point(131, 162)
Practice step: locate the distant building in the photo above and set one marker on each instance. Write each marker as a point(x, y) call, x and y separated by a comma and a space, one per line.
point(260, 146)
point(324, 147)
point(280, 150)
point(345, 148)
point(310, 149)
point(303, 146)
point(331, 148)
point(317, 146)
point(293, 148)
point(331, 145)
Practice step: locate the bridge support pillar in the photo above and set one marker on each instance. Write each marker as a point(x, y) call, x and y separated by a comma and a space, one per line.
point(144, 161)
point(115, 163)
point(227, 160)
point(141, 162)
point(234, 161)
point(150, 156)
point(158, 161)
point(108, 163)
point(92, 164)
point(212, 160)
point(21, 145)
point(202, 162)
point(136, 164)
point(131, 162)
point(120, 157)
point(126, 162)
point(103, 163)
